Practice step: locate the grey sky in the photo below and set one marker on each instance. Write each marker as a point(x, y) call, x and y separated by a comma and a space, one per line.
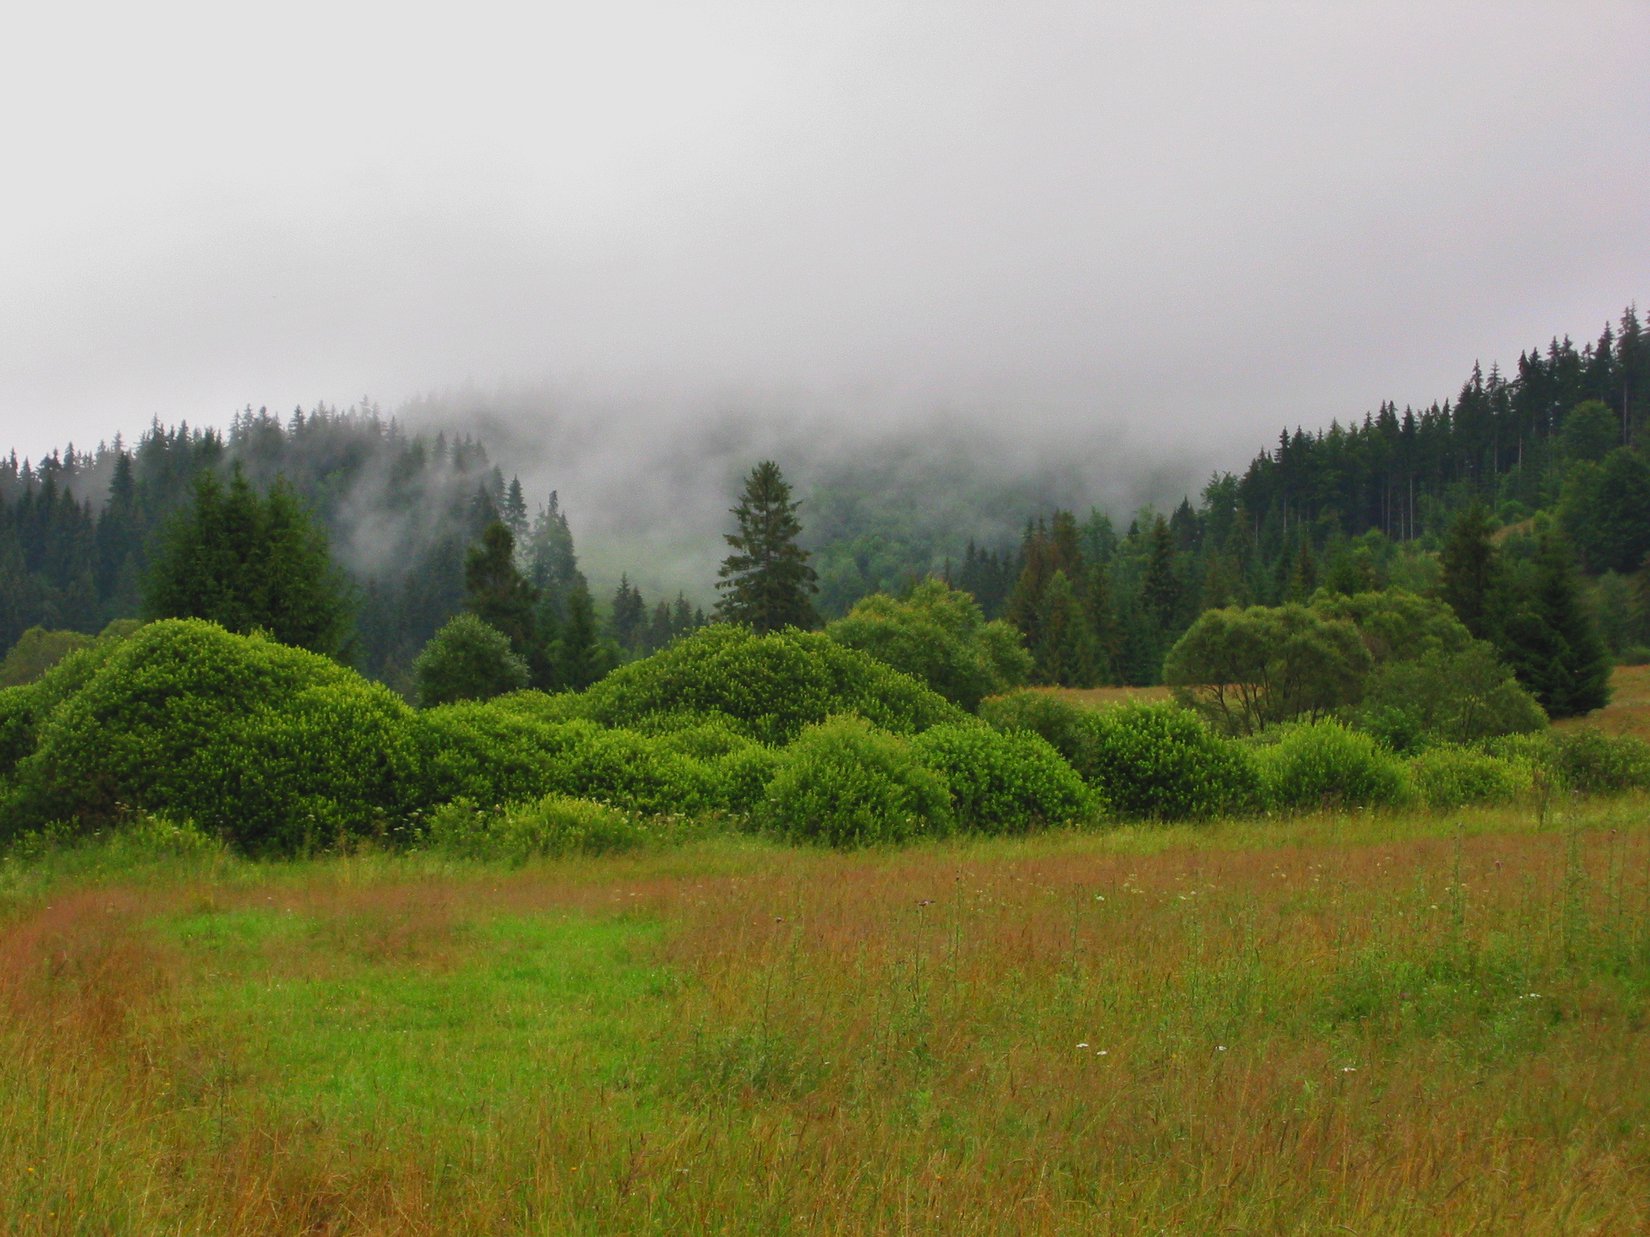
point(1160, 222)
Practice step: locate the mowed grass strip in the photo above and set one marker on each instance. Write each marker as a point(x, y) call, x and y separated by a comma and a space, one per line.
point(1391, 1024)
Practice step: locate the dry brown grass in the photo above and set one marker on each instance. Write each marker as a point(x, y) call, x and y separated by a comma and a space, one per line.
point(1368, 1025)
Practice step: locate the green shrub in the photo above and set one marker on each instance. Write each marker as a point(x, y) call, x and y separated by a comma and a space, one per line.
point(1325, 765)
point(1160, 762)
point(1004, 781)
point(771, 686)
point(37, 651)
point(547, 827)
point(23, 707)
point(1450, 777)
point(1584, 760)
point(1591, 762)
point(844, 783)
point(1068, 727)
point(492, 755)
point(628, 770)
point(271, 747)
point(939, 637)
point(467, 660)
point(702, 736)
point(743, 777)
point(1460, 695)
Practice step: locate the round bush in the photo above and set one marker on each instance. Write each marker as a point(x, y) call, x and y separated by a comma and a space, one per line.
point(467, 660)
point(1325, 765)
point(771, 686)
point(1448, 777)
point(271, 747)
point(843, 783)
point(1160, 762)
point(1004, 782)
point(1068, 727)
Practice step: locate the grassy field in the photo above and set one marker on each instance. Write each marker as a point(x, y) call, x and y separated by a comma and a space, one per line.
point(1367, 1024)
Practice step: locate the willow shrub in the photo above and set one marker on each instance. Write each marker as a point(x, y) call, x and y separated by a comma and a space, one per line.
point(1066, 726)
point(770, 686)
point(270, 747)
point(1005, 781)
point(845, 783)
point(491, 755)
point(546, 827)
point(22, 708)
point(1160, 761)
point(1325, 765)
point(1584, 760)
point(1449, 777)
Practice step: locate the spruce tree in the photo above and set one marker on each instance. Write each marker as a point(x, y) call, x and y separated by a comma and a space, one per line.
point(497, 593)
point(766, 582)
point(1472, 572)
point(1551, 641)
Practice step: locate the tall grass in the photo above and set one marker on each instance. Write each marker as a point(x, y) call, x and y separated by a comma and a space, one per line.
point(1378, 1023)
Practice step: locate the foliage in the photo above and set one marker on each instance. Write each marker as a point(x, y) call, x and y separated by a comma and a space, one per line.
point(1063, 725)
point(766, 582)
point(37, 651)
point(1322, 765)
point(22, 708)
point(1160, 762)
point(844, 783)
point(249, 563)
point(492, 755)
point(272, 747)
point(547, 827)
point(1458, 696)
point(1244, 670)
point(467, 660)
point(1472, 583)
point(772, 686)
point(1583, 760)
point(497, 593)
point(1004, 781)
point(1450, 777)
point(938, 636)
point(1551, 640)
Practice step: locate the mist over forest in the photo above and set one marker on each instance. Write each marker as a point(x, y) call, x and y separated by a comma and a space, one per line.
point(648, 483)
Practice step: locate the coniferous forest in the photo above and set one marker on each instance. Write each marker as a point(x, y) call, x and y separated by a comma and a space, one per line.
point(1547, 452)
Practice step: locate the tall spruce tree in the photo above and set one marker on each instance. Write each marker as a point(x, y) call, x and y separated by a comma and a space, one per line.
point(766, 582)
point(1551, 641)
point(1472, 572)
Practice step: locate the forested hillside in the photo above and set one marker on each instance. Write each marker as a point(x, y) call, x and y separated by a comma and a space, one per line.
point(1099, 594)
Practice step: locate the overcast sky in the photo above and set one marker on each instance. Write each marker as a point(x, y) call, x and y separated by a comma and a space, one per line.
point(1172, 222)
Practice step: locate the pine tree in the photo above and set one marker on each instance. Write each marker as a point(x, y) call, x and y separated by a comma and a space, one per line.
point(766, 582)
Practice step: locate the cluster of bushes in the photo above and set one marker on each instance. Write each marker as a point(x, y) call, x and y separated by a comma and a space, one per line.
point(276, 750)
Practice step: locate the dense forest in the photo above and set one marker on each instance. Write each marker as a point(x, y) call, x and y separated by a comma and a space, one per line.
point(1100, 596)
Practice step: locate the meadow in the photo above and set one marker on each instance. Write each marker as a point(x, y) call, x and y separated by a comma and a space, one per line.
point(1342, 1022)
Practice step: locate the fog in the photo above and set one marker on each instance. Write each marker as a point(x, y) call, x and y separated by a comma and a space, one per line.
point(1099, 248)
